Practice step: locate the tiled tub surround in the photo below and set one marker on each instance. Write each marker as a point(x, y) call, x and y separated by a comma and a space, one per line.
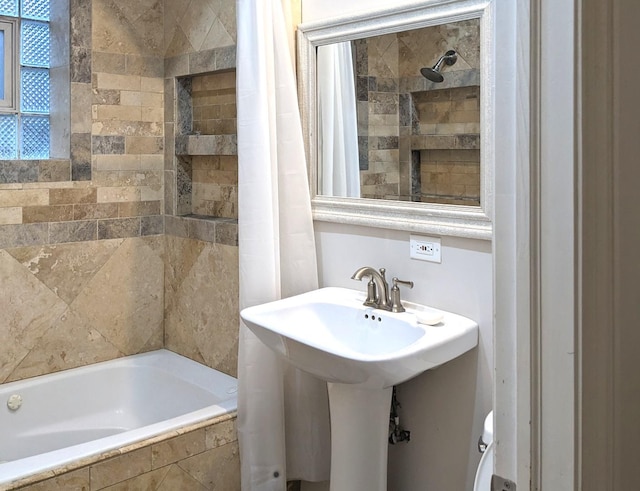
point(200, 457)
point(88, 275)
point(201, 316)
point(102, 408)
point(387, 81)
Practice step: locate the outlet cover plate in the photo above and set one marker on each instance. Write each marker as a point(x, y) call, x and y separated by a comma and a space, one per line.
point(425, 248)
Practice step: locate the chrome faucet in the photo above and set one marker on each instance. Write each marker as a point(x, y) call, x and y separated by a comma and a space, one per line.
point(377, 288)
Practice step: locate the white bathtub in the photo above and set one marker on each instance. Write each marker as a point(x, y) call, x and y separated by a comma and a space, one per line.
point(71, 415)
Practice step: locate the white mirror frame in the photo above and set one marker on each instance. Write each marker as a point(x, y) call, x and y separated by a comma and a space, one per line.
point(444, 220)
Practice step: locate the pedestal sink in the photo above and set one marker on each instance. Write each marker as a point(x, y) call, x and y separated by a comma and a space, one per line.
point(362, 353)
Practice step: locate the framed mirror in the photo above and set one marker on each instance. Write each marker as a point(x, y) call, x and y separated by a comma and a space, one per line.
point(397, 118)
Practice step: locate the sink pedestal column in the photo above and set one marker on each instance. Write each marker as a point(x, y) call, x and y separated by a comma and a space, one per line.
point(359, 437)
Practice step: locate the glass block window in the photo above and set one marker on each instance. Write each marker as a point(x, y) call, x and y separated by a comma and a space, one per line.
point(25, 133)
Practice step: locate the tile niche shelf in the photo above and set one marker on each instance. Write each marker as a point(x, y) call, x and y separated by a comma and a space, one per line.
point(206, 148)
point(187, 145)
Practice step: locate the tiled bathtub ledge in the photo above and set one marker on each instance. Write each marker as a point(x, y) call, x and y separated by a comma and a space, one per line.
point(209, 434)
point(30, 234)
point(207, 229)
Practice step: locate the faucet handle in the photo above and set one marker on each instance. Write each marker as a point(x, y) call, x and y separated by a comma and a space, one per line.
point(396, 304)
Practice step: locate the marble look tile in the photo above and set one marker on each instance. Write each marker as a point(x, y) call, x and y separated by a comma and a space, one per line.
point(71, 481)
point(217, 36)
point(124, 300)
point(107, 144)
point(196, 22)
point(221, 434)
point(178, 47)
point(177, 478)
point(201, 318)
point(175, 227)
point(54, 170)
point(227, 232)
point(175, 449)
point(29, 309)
point(81, 99)
point(70, 342)
point(146, 66)
point(76, 231)
point(12, 171)
point(10, 215)
point(218, 469)
point(151, 225)
point(23, 235)
point(225, 58)
point(66, 269)
point(40, 214)
point(116, 228)
point(120, 468)
point(81, 156)
point(202, 61)
point(72, 196)
point(149, 481)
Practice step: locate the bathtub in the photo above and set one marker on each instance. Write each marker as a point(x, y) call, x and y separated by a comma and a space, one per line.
point(71, 415)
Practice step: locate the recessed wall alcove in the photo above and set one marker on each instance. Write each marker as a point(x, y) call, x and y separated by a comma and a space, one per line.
point(201, 163)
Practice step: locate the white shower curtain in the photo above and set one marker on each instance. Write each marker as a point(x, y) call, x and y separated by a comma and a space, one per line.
point(338, 122)
point(283, 415)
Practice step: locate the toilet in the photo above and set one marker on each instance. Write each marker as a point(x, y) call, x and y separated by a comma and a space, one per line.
point(485, 467)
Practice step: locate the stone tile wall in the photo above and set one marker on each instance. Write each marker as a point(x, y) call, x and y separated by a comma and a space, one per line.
point(203, 459)
point(387, 80)
point(450, 169)
point(83, 260)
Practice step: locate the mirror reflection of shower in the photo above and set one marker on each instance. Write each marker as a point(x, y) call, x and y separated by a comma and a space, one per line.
point(433, 73)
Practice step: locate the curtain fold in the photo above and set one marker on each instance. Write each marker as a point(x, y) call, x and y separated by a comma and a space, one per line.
point(338, 122)
point(283, 414)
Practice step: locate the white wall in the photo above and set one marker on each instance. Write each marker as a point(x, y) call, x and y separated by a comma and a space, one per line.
point(444, 409)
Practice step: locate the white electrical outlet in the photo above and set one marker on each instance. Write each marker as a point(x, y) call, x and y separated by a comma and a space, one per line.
point(425, 248)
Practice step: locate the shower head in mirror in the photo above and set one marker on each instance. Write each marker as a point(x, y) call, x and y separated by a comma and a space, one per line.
point(433, 73)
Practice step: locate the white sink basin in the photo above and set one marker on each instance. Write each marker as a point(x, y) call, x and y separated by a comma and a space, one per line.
point(329, 333)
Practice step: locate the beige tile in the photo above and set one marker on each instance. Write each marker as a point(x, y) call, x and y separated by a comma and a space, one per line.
point(29, 309)
point(144, 145)
point(152, 114)
point(81, 97)
point(120, 113)
point(118, 194)
point(217, 36)
point(120, 468)
point(72, 196)
point(70, 342)
point(152, 84)
point(124, 300)
point(149, 481)
point(196, 22)
point(201, 316)
point(131, 98)
point(71, 481)
point(116, 162)
point(66, 268)
point(120, 82)
point(220, 434)
point(10, 215)
point(175, 449)
point(218, 469)
point(178, 479)
point(23, 197)
point(39, 214)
